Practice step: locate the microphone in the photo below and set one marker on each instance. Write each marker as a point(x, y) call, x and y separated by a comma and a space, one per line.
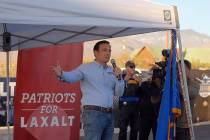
point(114, 65)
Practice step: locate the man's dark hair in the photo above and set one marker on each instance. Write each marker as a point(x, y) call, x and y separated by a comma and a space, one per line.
point(97, 45)
point(187, 64)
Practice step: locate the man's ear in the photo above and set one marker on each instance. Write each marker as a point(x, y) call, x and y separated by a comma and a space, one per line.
point(94, 53)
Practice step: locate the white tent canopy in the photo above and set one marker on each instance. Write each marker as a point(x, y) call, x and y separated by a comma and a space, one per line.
point(33, 23)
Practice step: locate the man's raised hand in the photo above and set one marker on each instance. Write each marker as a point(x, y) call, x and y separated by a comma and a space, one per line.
point(57, 69)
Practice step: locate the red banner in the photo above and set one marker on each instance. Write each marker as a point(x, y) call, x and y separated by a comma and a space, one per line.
point(45, 108)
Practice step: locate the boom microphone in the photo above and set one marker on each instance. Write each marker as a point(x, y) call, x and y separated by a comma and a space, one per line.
point(114, 65)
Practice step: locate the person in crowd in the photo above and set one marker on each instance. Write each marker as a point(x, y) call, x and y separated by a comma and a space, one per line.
point(129, 115)
point(150, 92)
point(3, 117)
point(98, 85)
point(182, 129)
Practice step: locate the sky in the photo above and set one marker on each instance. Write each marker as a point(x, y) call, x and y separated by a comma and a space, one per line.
point(193, 14)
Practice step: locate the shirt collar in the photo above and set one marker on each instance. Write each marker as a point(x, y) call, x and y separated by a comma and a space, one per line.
point(100, 65)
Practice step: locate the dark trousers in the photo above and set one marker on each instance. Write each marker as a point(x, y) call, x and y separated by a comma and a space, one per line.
point(128, 116)
point(147, 123)
point(182, 134)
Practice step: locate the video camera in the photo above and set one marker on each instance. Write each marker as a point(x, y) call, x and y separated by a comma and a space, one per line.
point(160, 72)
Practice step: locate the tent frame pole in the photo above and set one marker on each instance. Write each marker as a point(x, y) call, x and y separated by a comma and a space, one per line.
point(7, 48)
point(8, 94)
point(185, 90)
point(184, 79)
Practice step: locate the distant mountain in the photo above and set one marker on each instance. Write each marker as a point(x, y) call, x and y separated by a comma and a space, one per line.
point(12, 57)
point(191, 39)
point(130, 44)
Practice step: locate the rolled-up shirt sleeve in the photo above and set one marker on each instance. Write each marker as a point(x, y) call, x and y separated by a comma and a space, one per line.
point(119, 87)
point(72, 76)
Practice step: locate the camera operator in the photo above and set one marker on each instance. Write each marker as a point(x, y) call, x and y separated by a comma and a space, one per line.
point(149, 105)
point(129, 114)
point(151, 97)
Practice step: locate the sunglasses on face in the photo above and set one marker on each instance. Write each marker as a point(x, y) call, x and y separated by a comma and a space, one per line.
point(133, 67)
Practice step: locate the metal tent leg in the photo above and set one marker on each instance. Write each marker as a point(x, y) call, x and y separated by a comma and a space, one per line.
point(8, 95)
point(7, 49)
point(185, 89)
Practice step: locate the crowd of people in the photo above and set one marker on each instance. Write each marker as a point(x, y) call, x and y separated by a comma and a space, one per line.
point(139, 100)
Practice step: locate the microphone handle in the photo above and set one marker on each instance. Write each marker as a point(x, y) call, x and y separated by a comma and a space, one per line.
point(118, 76)
point(114, 65)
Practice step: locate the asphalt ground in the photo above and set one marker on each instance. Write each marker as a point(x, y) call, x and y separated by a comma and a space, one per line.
point(202, 132)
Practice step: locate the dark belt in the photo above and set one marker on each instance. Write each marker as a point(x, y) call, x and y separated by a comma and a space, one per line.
point(97, 108)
